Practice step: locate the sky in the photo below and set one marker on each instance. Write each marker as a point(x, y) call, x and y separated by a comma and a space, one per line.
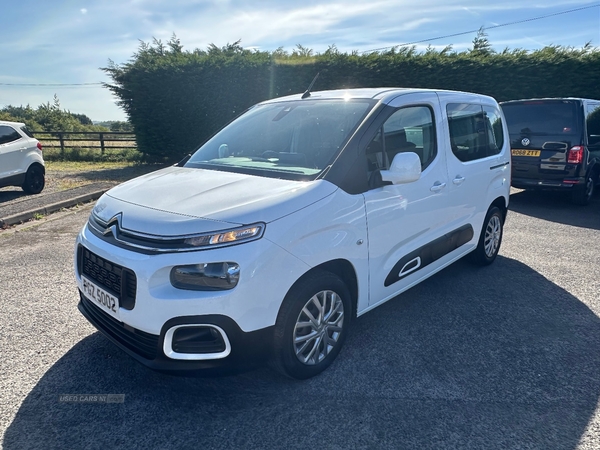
point(68, 41)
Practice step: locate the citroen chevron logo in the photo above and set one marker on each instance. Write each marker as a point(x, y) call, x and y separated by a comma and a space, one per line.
point(112, 225)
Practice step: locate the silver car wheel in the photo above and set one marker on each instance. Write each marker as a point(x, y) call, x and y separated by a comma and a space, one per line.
point(318, 327)
point(493, 233)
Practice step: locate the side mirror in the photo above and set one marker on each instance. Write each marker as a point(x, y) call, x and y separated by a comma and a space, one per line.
point(405, 168)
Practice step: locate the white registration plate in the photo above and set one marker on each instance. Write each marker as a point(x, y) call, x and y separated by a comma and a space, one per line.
point(101, 298)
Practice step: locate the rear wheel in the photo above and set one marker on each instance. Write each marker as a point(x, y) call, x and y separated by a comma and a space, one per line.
point(34, 180)
point(583, 195)
point(312, 325)
point(490, 239)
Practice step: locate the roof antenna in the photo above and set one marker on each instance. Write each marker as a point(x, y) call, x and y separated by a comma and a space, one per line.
point(307, 92)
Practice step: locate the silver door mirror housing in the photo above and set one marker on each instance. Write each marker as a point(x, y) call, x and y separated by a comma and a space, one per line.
point(405, 168)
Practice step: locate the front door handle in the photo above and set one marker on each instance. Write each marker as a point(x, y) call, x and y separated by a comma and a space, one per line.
point(437, 187)
point(458, 180)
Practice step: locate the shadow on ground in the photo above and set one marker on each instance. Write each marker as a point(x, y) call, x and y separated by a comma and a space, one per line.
point(557, 207)
point(508, 361)
point(7, 195)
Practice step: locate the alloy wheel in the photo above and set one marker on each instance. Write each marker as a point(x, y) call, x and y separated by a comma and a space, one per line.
point(493, 232)
point(318, 327)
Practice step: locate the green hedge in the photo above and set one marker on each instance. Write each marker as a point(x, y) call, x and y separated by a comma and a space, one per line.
point(176, 99)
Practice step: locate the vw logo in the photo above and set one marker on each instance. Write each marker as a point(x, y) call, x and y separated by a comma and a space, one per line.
point(525, 142)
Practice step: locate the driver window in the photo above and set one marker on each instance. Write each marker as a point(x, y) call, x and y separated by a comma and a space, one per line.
point(409, 129)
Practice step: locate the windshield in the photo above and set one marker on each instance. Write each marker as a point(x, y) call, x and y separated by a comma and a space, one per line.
point(292, 140)
point(541, 118)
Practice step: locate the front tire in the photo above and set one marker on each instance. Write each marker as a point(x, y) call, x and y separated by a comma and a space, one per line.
point(490, 239)
point(35, 179)
point(312, 325)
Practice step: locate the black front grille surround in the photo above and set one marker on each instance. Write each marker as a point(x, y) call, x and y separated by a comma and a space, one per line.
point(116, 279)
point(142, 343)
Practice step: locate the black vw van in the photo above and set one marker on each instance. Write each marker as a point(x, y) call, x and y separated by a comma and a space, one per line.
point(555, 145)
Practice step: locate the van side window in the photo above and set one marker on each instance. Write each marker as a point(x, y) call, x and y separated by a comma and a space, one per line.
point(493, 123)
point(409, 129)
point(471, 132)
point(593, 124)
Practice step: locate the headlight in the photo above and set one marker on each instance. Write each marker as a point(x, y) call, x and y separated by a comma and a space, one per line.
point(243, 234)
point(206, 277)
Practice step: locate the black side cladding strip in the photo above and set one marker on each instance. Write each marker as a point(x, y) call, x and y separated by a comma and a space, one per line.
point(430, 253)
point(499, 165)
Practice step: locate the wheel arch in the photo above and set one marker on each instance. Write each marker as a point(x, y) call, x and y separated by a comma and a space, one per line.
point(594, 171)
point(343, 269)
point(37, 164)
point(500, 203)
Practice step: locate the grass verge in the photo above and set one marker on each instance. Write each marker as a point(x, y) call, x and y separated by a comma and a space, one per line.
point(63, 175)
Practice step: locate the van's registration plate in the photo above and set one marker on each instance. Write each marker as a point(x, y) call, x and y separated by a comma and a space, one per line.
point(101, 298)
point(521, 152)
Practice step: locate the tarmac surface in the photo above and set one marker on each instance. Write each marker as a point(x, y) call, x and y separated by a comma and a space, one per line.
point(20, 209)
point(500, 357)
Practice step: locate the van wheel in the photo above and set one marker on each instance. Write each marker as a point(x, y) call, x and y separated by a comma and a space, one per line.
point(34, 180)
point(490, 239)
point(583, 195)
point(312, 325)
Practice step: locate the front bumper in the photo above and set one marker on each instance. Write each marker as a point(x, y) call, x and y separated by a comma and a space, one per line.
point(248, 349)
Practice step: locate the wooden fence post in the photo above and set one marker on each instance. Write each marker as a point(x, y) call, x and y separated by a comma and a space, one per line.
point(62, 144)
point(102, 143)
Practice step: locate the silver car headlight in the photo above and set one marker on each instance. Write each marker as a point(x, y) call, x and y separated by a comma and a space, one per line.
point(227, 237)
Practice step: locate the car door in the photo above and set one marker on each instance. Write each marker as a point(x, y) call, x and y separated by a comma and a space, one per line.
point(477, 161)
point(404, 219)
point(11, 151)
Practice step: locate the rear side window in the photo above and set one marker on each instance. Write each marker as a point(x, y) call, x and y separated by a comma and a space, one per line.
point(475, 131)
point(25, 130)
point(495, 131)
point(542, 118)
point(8, 134)
point(593, 124)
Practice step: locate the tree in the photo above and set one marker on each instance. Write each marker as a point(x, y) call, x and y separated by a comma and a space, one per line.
point(481, 44)
point(49, 116)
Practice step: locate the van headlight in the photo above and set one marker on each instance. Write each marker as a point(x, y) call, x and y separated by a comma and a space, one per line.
point(227, 237)
point(206, 276)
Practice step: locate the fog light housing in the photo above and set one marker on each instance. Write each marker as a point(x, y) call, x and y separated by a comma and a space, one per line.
point(197, 340)
point(206, 276)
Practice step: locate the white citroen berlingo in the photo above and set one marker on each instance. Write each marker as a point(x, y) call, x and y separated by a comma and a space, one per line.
point(297, 217)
